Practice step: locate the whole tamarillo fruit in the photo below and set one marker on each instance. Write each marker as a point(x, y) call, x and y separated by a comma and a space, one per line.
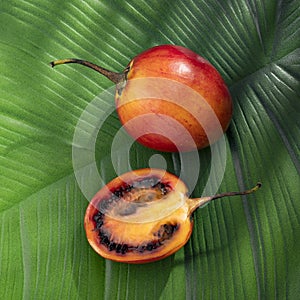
point(169, 98)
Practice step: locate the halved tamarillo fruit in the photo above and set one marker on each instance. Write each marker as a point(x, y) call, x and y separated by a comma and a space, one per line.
point(143, 216)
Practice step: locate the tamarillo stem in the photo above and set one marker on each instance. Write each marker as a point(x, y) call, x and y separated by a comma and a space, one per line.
point(228, 194)
point(113, 76)
point(198, 202)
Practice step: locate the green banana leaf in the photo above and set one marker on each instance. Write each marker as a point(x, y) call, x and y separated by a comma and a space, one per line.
point(242, 248)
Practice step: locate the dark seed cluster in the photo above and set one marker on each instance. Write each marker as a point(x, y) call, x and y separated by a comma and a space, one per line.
point(147, 183)
point(165, 232)
point(164, 188)
point(111, 245)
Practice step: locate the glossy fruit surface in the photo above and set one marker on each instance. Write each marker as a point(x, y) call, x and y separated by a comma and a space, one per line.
point(177, 97)
point(142, 216)
point(170, 99)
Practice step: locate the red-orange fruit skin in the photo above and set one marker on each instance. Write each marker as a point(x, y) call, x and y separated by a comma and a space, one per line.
point(179, 239)
point(174, 64)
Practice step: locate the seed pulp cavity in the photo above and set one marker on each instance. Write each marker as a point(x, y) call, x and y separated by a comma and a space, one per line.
point(126, 201)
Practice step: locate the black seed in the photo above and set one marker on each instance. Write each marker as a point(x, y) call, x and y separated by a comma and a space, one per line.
point(118, 248)
point(118, 193)
point(159, 185)
point(128, 188)
point(150, 246)
point(99, 224)
point(164, 191)
point(112, 246)
point(124, 249)
point(168, 229)
point(98, 217)
point(162, 187)
point(105, 241)
point(165, 232)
